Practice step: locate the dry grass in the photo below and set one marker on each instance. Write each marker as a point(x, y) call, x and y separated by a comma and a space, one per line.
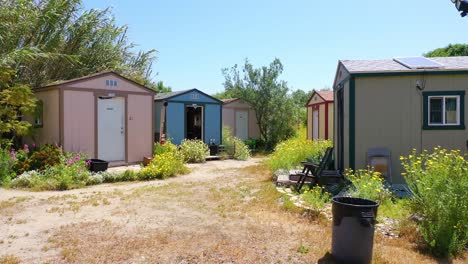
point(237, 218)
point(9, 259)
point(13, 202)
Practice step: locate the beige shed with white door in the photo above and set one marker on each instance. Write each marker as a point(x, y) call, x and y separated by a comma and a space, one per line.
point(240, 117)
point(104, 116)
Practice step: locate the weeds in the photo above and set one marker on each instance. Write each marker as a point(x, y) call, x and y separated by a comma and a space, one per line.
point(290, 153)
point(439, 182)
point(368, 185)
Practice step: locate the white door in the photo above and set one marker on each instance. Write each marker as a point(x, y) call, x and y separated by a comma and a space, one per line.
point(111, 129)
point(315, 125)
point(242, 125)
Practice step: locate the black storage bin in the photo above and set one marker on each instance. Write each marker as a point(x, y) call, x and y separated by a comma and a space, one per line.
point(354, 222)
point(97, 165)
point(213, 150)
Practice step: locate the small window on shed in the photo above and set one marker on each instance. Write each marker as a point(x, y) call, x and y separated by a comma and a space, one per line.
point(39, 114)
point(444, 110)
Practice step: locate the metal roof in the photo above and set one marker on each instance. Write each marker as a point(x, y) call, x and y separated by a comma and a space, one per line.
point(390, 65)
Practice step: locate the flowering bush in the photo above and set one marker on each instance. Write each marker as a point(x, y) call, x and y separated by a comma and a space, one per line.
point(439, 183)
point(289, 154)
point(31, 158)
point(163, 148)
point(316, 197)
point(368, 184)
point(28, 179)
point(70, 172)
point(163, 166)
point(194, 151)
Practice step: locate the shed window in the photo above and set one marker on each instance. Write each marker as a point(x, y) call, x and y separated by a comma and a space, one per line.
point(444, 110)
point(39, 114)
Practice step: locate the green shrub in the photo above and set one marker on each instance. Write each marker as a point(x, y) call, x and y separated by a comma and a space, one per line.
point(241, 151)
point(163, 148)
point(439, 183)
point(290, 153)
point(27, 179)
point(6, 163)
point(316, 197)
point(127, 175)
point(194, 151)
point(26, 159)
point(49, 155)
point(70, 173)
point(163, 166)
point(368, 185)
point(255, 144)
point(95, 178)
point(234, 147)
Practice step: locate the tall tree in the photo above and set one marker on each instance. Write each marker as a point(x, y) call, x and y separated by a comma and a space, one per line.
point(268, 95)
point(72, 41)
point(300, 98)
point(450, 51)
point(50, 40)
point(159, 87)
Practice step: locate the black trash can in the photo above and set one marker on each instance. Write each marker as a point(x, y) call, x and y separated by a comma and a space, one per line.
point(354, 221)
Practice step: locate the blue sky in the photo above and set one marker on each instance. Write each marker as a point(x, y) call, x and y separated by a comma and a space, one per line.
point(196, 39)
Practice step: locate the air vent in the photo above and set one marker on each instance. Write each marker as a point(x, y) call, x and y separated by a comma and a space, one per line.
point(111, 82)
point(418, 63)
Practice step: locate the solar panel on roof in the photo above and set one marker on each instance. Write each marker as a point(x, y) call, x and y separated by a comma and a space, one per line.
point(418, 63)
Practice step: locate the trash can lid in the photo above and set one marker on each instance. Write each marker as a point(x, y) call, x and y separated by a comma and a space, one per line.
point(354, 202)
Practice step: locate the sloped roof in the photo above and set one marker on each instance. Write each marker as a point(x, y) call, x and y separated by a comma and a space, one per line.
point(162, 96)
point(229, 100)
point(91, 76)
point(390, 65)
point(326, 95)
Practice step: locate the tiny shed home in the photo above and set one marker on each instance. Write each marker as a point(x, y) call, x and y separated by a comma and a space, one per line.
point(239, 116)
point(189, 114)
point(397, 105)
point(320, 115)
point(104, 115)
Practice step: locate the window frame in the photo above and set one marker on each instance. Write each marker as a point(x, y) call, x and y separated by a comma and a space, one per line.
point(460, 97)
point(39, 114)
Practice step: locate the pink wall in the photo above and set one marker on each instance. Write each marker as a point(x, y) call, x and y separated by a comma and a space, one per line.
point(140, 127)
point(49, 133)
point(78, 122)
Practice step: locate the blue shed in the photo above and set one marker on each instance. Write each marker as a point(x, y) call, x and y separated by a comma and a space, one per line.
point(190, 114)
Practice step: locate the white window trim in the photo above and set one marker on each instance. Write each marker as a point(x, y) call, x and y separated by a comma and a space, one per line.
point(443, 97)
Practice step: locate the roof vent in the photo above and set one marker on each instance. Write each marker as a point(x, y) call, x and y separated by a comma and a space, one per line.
point(418, 63)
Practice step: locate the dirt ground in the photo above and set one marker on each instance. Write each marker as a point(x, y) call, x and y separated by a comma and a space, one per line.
point(222, 212)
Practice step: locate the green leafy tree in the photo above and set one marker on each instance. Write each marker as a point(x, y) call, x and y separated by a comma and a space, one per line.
point(160, 87)
point(15, 100)
point(223, 95)
point(300, 98)
point(51, 40)
point(268, 96)
point(450, 51)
